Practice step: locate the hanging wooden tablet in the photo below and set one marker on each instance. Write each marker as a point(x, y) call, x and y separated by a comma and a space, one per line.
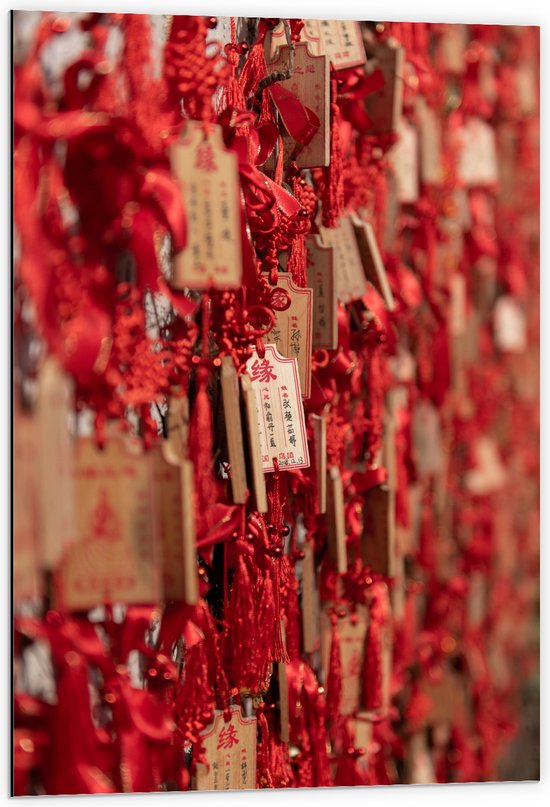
point(309, 82)
point(310, 601)
point(377, 550)
point(27, 577)
point(320, 276)
point(208, 175)
point(233, 426)
point(340, 40)
point(320, 444)
point(478, 162)
point(403, 157)
point(280, 420)
point(54, 413)
point(384, 106)
point(177, 427)
point(372, 260)
point(348, 267)
point(230, 749)
point(430, 142)
point(254, 446)
point(336, 521)
point(175, 506)
point(292, 331)
point(116, 557)
point(352, 630)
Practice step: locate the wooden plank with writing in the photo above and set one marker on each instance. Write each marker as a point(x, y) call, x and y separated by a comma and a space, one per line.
point(292, 331)
point(385, 105)
point(310, 83)
point(233, 426)
point(340, 40)
point(54, 411)
point(27, 579)
point(377, 551)
point(208, 175)
point(280, 419)
point(320, 276)
point(116, 557)
point(372, 260)
point(230, 749)
point(336, 521)
point(254, 448)
point(349, 274)
point(173, 487)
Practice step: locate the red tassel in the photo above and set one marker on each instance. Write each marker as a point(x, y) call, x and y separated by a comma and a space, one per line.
point(333, 196)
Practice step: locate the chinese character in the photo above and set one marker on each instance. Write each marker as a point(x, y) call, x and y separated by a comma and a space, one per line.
point(262, 371)
point(205, 158)
point(228, 737)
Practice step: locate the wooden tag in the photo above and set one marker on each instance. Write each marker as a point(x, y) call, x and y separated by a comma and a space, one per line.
point(231, 754)
point(27, 579)
point(310, 83)
point(510, 325)
point(116, 556)
point(427, 439)
point(175, 446)
point(452, 47)
point(254, 446)
point(447, 696)
point(384, 106)
point(320, 276)
point(348, 268)
point(320, 443)
point(372, 260)
point(291, 334)
point(336, 521)
point(478, 163)
point(376, 543)
point(208, 175)
point(420, 765)
point(174, 494)
point(352, 630)
point(403, 157)
point(310, 601)
point(340, 40)
point(233, 427)
point(280, 419)
point(54, 410)
point(431, 165)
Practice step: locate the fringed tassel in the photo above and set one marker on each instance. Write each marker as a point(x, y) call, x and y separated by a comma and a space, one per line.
point(348, 772)
point(263, 767)
point(333, 195)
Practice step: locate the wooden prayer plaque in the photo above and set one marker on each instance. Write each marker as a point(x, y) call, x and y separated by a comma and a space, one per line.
point(291, 334)
point(208, 175)
point(320, 277)
point(116, 557)
point(233, 427)
point(310, 83)
point(231, 754)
